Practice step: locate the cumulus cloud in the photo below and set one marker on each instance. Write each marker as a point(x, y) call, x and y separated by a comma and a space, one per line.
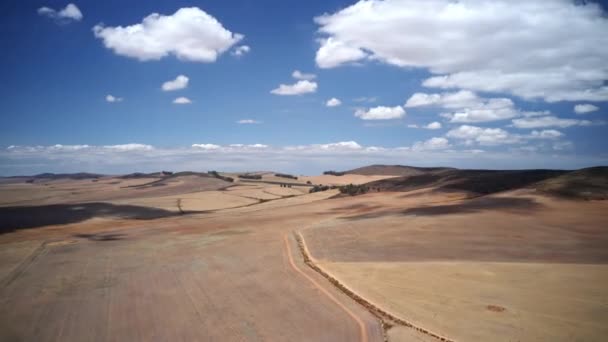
point(112, 98)
point(182, 100)
point(180, 82)
point(129, 147)
point(483, 136)
point(333, 53)
point(333, 102)
point(248, 122)
point(190, 34)
point(546, 134)
point(548, 121)
point(241, 50)
point(585, 108)
point(206, 146)
point(343, 145)
point(433, 125)
point(298, 88)
point(466, 106)
point(478, 44)
point(438, 143)
point(298, 75)
point(69, 13)
point(381, 113)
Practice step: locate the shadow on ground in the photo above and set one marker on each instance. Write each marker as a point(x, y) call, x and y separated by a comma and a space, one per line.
point(101, 236)
point(464, 207)
point(15, 218)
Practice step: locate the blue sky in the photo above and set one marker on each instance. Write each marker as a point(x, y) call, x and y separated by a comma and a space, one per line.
point(497, 81)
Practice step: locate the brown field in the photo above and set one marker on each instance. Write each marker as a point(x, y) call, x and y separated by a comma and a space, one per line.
point(196, 258)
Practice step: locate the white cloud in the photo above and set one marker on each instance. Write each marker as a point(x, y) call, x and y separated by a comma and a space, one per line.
point(585, 108)
point(381, 113)
point(548, 121)
point(454, 100)
point(69, 13)
point(483, 136)
point(297, 74)
point(467, 106)
point(366, 99)
point(478, 44)
point(412, 126)
point(491, 110)
point(190, 34)
point(333, 53)
point(563, 145)
point(298, 88)
point(307, 159)
point(431, 144)
point(182, 100)
point(248, 147)
point(129, 147)
point(111, 98)
point(546, 134)
point(248, 122)
point(343, 145)
point(180, 82)
point(333, 102)
point(241, 50)
point(206, 146)
point(433, 125)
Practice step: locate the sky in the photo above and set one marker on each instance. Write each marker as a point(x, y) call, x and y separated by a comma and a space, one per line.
point(302, 86)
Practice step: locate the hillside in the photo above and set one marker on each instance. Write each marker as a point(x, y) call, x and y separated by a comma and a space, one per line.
point(591, 183)
point(395, 170)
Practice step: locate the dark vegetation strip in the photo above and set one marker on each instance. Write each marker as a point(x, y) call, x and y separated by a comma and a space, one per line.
point(386, 318)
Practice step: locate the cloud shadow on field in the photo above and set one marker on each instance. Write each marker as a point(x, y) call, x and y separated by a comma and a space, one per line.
point(24, 217)
point(465, 207)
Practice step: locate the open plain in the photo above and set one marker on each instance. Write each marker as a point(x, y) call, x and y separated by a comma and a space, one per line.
point(193, 257)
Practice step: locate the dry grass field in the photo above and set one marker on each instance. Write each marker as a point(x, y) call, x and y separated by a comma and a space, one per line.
point(190, 257)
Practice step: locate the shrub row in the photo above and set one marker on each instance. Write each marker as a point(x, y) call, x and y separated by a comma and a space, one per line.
point(285, 175)
point(334, 173)
point(248, 176)
point(353, 190)
point(218, 176)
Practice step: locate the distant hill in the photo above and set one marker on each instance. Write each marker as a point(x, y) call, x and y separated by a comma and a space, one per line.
point(395, 170)
point(590, 183)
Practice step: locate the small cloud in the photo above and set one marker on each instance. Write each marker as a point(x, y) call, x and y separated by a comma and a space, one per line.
point(207, 147)
point(298, 88)
point(412, 126)
point(69, 13)
point(366, 99)
point(297, 74)
point(182, 100)
point(180, 82)
point(248, 122)
point(585, 108)
point(438, 143)
point(548, 121)
point(381, 113)
point(128, 147)
point(333, 102)
point(111, 98)
point(433, 125)
point(241, 50)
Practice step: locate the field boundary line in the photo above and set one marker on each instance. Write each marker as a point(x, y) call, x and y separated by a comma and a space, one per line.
point(24, 265)
point(385, 317)
point(362, 328)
